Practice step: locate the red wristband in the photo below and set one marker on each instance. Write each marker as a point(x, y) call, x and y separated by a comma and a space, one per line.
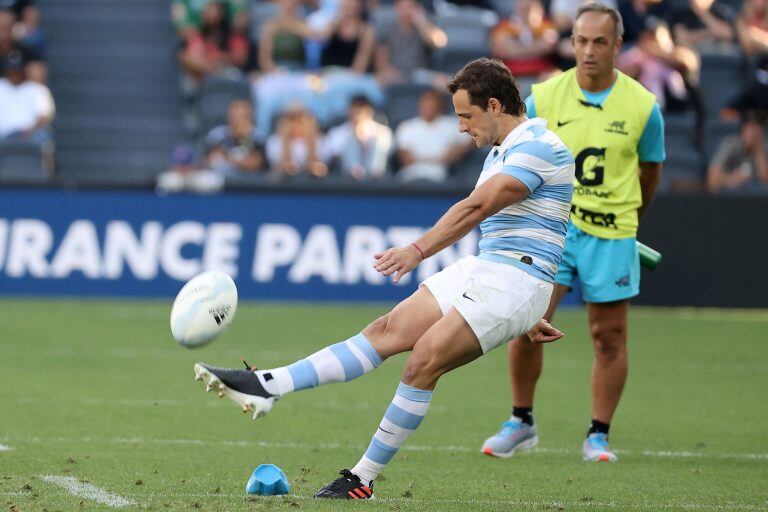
point(419, 249)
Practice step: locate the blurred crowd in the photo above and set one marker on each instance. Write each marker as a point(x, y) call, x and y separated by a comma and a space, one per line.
point(353, 90)
point(26, 105)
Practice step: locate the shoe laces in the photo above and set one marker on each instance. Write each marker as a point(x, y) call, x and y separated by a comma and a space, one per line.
point(247, 366)
point(346, 475)
point(349, 474)
point(598, 440)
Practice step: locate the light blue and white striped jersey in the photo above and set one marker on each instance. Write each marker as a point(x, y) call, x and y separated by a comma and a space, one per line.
point(530, 234)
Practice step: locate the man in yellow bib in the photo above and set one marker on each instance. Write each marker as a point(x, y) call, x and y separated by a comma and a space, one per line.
point(614, 128)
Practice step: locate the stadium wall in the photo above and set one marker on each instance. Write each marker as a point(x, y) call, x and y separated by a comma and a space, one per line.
point(305, 246)
point(715, 251)
point(277, 246)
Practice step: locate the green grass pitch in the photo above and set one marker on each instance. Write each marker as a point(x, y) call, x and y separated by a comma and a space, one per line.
point(98, 392)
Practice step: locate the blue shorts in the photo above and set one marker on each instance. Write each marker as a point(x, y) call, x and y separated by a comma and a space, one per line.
point(608, 270)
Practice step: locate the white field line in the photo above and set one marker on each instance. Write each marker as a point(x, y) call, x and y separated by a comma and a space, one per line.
point(88, 491)
point(671, 454)
point(4, 448)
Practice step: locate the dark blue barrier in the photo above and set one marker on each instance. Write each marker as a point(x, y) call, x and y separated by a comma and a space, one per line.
point(276, 245)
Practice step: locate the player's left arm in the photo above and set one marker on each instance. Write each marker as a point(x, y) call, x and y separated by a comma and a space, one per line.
point(498, 192)
point(651, 153)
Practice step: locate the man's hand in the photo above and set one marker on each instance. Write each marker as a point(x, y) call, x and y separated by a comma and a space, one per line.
point(542, 332)
point(398, 261)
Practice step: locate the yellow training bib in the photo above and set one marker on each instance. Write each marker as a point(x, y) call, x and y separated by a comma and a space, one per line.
point(603, 140)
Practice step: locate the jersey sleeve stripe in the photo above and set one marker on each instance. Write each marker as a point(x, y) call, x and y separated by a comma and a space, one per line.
point(531, 180)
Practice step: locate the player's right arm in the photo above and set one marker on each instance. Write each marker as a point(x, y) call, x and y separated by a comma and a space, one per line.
point(495, 194)
point(651, 153)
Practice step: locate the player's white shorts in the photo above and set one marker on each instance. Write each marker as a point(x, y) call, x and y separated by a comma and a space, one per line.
point(498, 301)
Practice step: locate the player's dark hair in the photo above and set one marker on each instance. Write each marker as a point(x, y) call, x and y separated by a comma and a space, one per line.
point(484, 79)
point(618, 22)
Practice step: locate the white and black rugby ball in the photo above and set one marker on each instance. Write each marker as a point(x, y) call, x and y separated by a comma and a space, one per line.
point(204, 307)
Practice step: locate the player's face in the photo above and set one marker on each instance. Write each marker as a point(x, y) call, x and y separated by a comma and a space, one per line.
point(594, 44)
point(477, 122)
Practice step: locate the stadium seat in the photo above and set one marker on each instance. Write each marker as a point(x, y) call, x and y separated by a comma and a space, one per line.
point(216, 93)
point(114, 79)
point(504, 8)
point(467, 170)
point(721, 79)
point(684, 162)
point(20, 160)
point(469, 36)
point(402, 102)
point(467, 32)
point(451, 61)
point(679, 130)
point(461, 16)
point(683, 169)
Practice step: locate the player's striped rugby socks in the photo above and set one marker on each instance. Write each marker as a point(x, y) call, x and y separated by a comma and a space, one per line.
point(402, 417)
point(341, 362)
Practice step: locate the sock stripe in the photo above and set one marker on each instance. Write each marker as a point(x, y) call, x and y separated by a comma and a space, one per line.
point(388, 428)
point(402, 418)
point(361, 342)
point(379, 452)
point(413, 394)
point(417, 408)
point(303, 374)
point(352, 366)
point(398, 423)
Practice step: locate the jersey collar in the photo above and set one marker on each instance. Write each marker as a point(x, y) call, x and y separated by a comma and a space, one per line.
point(518, 134)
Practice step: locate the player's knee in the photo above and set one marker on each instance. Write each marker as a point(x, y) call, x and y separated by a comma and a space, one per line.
point(422, 369)
point(378, 328)
point(609, 340)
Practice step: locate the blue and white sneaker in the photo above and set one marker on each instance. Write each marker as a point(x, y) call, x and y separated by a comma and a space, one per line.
point(513, 436)
point(596, 448)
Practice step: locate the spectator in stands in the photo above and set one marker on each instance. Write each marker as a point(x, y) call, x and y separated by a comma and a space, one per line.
point(215, 47)
point(241, 29)
point(349, 39)
point(361, 146)
point(668, 70)
point(429, 144)
point(9, 45)
point(346, 60)
point(702, 25)
point(297, 146)
point(404, 47)
point(187, 15)
point(282, 39)
point(233, 148)
point(27, 29)
point(741, 162)
point(527, 41)
point(753, 27)
point(183, 175)
point(26, 107)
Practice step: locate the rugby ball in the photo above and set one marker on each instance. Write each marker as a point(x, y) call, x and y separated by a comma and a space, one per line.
point(204, 307)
